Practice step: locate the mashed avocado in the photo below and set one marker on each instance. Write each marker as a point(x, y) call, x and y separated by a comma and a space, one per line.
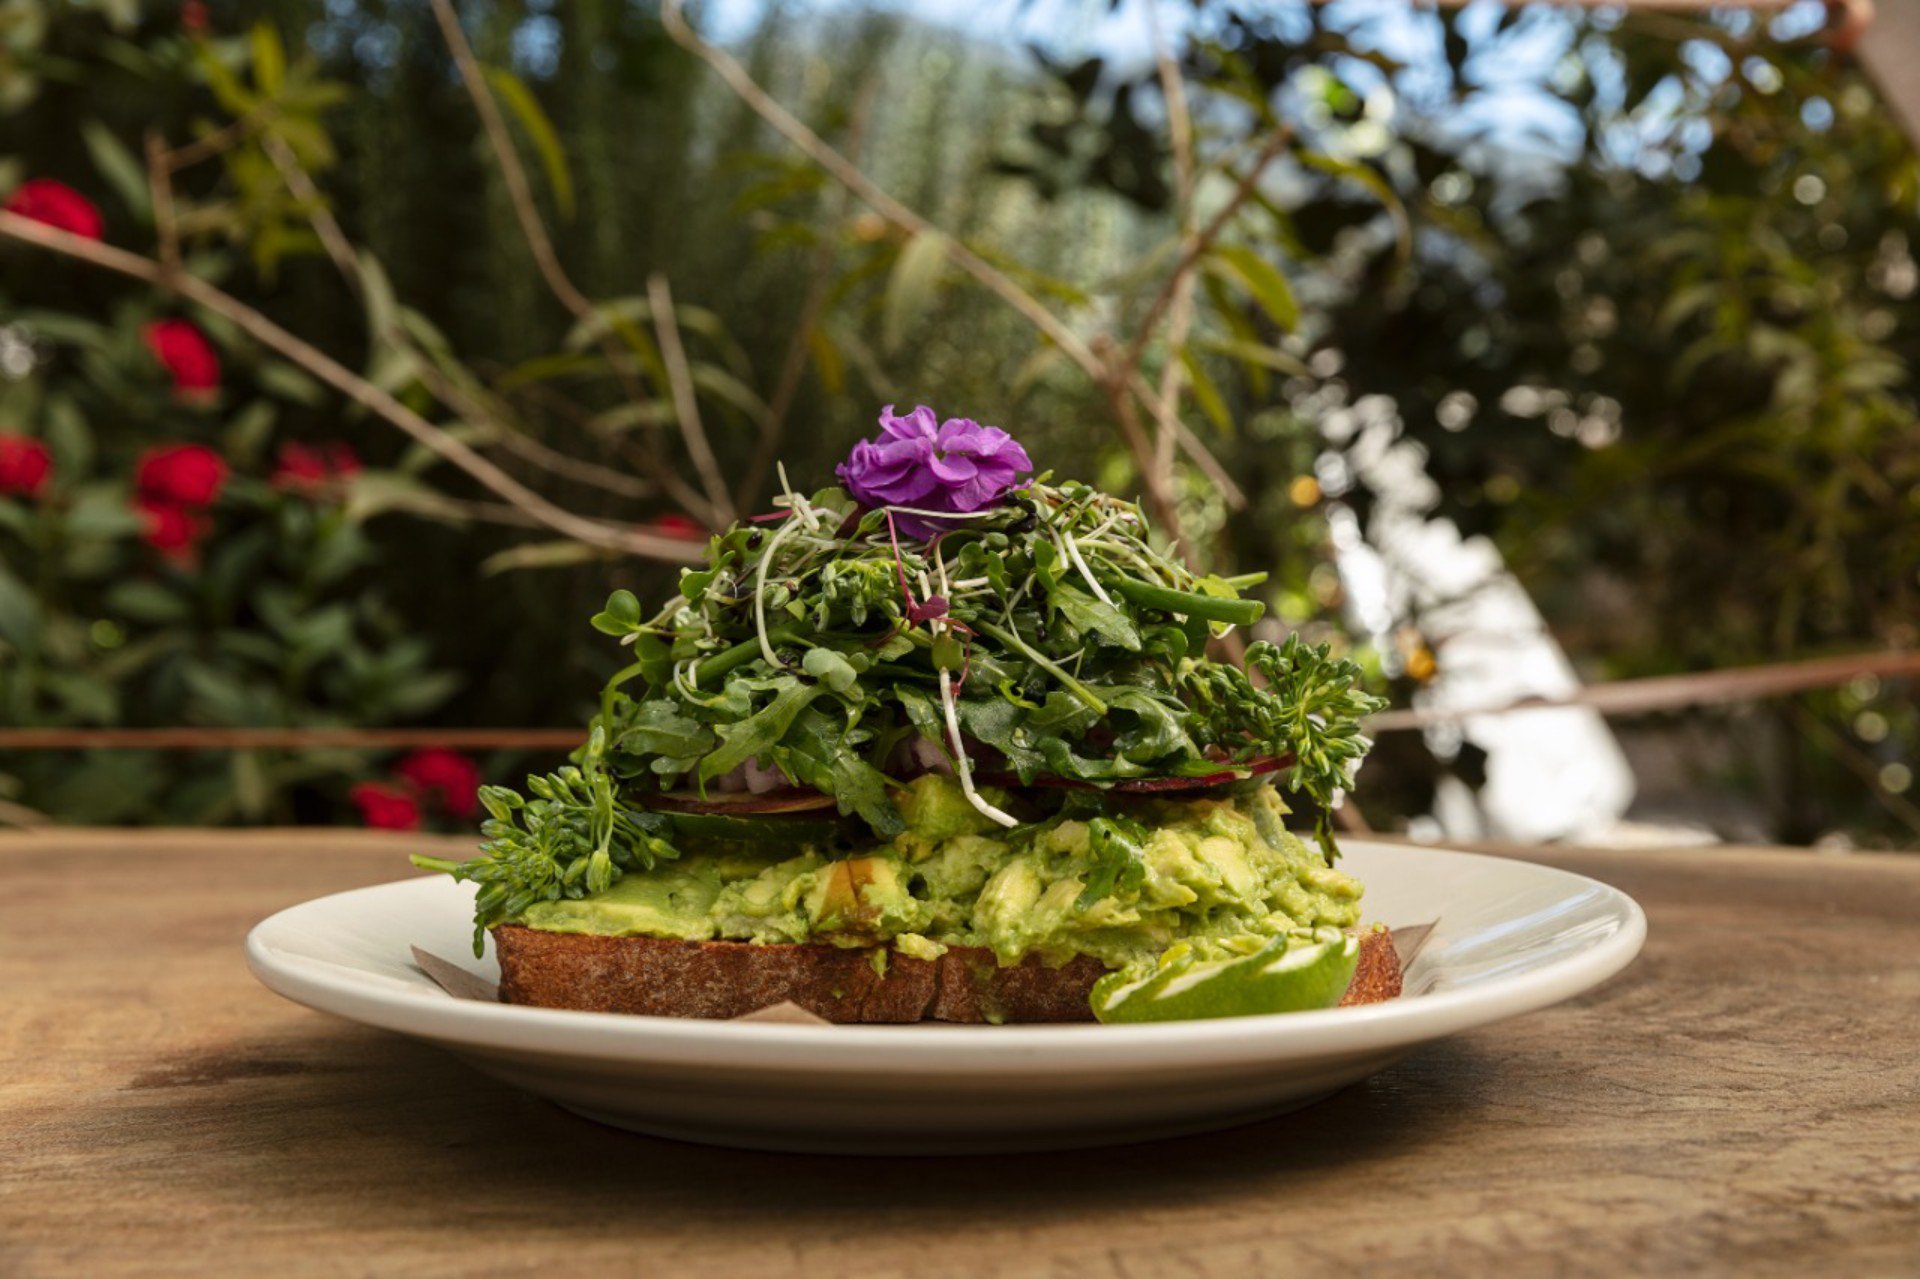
point(1217, 872)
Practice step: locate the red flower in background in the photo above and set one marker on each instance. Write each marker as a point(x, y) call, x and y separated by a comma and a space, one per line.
point(385, 807)
point(173, 484)
point(187, 355)
point(673, 524)
point(57, 205)
point(314, 468)
point(25, 465)
point(194, 17)
point(180, 475)
point(445, 775)
point(174, 531)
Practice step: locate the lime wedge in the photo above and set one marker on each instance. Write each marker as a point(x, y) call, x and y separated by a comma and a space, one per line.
point(1288, 974)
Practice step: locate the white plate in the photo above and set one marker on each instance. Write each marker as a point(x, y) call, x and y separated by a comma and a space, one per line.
point(1510, 937)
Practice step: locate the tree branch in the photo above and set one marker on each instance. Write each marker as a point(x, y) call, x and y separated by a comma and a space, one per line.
point(568, 467)
point(349, 384)
point(445, 389)
point(1160, 499)
point(534, 230)
point(519, 191)
point(686, 410)
point(849, 175)
point(332, 238)
point(1173, 89)
point(222, 139)
point(1104, 373)
point(1197, 246)
point(793, 366)
point(160, 194)
point(253, 739)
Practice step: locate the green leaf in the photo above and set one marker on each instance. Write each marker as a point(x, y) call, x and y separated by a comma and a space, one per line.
point(553, 554)
point(1147, 729)
point(754, 736)
point(1206, 394)
point(1002, 725)
point(1062, 715)
point(1261, 279)
point(546, 141)
point(1047, 566)
point(419, 694)
point(819, 755)
point(269, 60)
point(68, 436)
point(910, 288)
point(1376, 185)
point(84, 697)
point(1092, 618)
point(250, 430)
point(828, 364)
point(1256, 353)
point(20, 619)
point(383, 310)
point(100, 511)
point(285, 380)
point(116, 164)
point(144, 601)
point(546, 368)
point(620, 616)
point(227, 89)
point(729, 389)
point(832, 667)
point(658, 728)
point(1119, 848)
point(922, 715)
point(374, 493)
point(218, 695)
point(322, 632)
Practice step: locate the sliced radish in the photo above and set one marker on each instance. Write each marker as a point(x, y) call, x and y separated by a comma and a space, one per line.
point(790, 799)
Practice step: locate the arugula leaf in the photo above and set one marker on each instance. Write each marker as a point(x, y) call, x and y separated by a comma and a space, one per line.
point(860, 789)
point(1001, 725)
point(1148, 729)
point(1096, 620)
point(839, 673)
point(1062, 715)
point(822, 755)
point(1119, 847)
point(1063, 761)
point(754, 736)
point(658, 728)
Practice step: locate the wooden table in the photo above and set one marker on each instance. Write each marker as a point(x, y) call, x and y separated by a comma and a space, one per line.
point(1745, 1099)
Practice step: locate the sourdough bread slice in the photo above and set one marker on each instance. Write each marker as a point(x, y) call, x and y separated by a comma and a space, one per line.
point(723, 979)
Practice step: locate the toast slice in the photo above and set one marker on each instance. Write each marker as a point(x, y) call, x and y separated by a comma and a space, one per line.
point(724, 979)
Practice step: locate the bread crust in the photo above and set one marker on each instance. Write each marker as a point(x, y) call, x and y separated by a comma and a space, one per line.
point(662, 977)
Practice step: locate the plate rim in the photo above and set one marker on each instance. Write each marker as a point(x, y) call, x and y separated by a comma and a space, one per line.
point(427, 1013)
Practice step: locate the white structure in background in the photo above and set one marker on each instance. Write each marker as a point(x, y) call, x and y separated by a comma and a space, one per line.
point(1550, 773)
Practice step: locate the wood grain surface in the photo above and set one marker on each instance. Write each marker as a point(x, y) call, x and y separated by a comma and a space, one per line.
point(1744, 1100)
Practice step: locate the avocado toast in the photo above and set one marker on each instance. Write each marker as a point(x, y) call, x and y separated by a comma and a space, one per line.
point(943, 742)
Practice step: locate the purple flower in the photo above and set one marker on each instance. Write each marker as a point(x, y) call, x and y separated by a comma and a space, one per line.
point(919, 461)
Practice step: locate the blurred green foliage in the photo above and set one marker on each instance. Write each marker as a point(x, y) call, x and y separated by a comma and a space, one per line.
point(1654, 337)
point(269, 617)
